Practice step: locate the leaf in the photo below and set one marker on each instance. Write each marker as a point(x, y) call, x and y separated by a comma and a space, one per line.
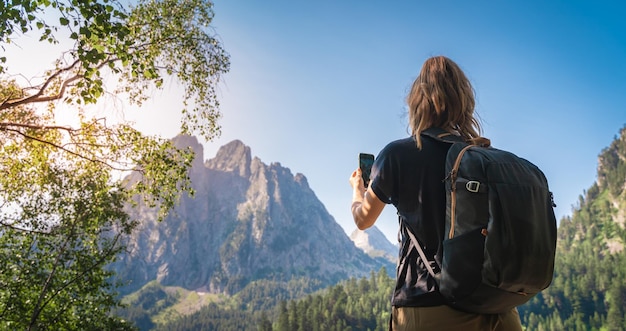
point(64, 21)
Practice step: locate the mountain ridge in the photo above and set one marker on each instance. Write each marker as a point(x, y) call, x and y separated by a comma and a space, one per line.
point(247, 221)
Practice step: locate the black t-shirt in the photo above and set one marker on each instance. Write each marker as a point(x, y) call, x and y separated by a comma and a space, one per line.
point(412, 180)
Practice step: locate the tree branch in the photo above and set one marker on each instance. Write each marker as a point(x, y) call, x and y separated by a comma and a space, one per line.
point(2, 223)
point(60, 147)
point(6, 125)
point(34, 97)
point(40, 95)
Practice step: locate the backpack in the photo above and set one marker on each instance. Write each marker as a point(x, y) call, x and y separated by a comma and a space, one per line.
point(500, 228)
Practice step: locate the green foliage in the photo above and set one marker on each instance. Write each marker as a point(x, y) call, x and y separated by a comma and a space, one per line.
point(182, 48)
point(63, 218)
point(356, 304)
point(266, 294)
point(612, 165)
point(213, 318)
point(63, 206)
point(151, 300)
point(142, 46)
point(62, 221)
point(154, 303)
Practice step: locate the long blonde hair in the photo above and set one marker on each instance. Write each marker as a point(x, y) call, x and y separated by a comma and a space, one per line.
point(443, 97)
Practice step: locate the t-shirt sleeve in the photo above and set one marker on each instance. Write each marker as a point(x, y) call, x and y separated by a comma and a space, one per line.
point(384, 174)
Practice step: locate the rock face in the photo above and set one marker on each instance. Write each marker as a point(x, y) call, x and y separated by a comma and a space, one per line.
point(374, 243)
point(247, 221)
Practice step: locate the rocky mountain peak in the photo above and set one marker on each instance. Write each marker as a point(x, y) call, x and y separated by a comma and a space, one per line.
point(301, 179)
point(232, 157)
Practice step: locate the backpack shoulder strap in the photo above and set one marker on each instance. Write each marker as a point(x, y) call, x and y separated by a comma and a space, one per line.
point(442, 135)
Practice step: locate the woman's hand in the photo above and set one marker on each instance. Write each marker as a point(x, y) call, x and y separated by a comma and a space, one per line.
point(356, 181)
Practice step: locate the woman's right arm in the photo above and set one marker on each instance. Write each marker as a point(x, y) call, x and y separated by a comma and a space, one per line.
point(366, 206)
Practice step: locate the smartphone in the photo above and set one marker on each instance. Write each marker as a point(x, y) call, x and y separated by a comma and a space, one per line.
point(365, 164)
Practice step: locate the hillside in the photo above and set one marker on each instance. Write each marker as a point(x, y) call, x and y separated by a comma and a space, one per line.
point(589, 291)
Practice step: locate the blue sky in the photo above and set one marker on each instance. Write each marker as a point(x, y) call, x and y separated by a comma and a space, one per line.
point(314, 83)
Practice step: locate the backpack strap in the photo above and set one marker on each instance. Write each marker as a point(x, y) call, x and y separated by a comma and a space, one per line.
point(472, 186)
point(442, 135)
point(417, 245)
point(452, 176)
point(420, 251)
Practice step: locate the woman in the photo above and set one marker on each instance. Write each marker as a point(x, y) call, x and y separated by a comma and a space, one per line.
point(408, 173)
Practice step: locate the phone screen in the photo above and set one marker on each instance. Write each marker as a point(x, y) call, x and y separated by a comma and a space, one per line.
point(365, 164)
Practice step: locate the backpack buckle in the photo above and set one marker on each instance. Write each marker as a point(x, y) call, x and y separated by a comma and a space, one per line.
point(472, 186)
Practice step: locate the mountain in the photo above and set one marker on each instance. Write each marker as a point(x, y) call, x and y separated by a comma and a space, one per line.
point(374, 243)
point(588, 291)
point(248, 221)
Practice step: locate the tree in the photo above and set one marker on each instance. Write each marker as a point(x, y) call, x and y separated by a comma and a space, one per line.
point(63, 202)
point(265, 324)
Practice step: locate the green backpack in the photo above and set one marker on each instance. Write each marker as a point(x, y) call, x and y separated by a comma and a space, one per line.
point(500, 242)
